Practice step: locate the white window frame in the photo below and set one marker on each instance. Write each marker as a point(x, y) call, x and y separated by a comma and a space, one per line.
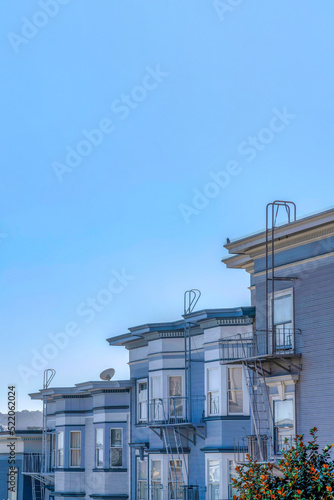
point(230, 464)
point(141, 480)
point(288, 396)
point(208, 458)
point(117, 447)
point(224, 460)
point(155, 406)
point(209, 392)
point(180, 408)
point(143, 401)
point(277, 295)
point(60, 451)
point(74, 449)
point(242, 390)
point(163, 458)
point(156, 458)
point(98, 448)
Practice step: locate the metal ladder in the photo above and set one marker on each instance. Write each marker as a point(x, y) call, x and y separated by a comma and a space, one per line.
point(37, 489)
point(176, 434)
point(259, 403)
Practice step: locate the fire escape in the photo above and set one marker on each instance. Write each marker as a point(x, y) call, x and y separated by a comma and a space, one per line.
point(38, 465)
point(179, 420)
point(260, 349)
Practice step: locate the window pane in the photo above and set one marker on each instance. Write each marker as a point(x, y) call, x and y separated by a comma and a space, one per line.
point(214, 471)
point(283, 309)
point(142, 469)
point(75, 438)
point(175, 386)
point(235, 402)
point(283, 413)
point(99, 457)
point(115, 437)
point(213, 379)
point(156, 470)
point(60, 440)
point(235, 379)
point(214, 402)
point(143, 490)
point(142, 391)
point(75, 458)
point(116, 457)
point(99, 438)
point(156, 387)
point(60, 458)
point(176, 468)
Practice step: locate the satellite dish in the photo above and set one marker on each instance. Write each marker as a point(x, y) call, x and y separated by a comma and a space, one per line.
point(107, 374)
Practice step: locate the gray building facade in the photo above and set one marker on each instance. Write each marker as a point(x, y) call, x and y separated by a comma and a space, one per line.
point(208, 388)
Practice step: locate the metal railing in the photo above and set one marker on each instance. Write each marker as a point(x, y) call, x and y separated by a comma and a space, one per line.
point(281, 341)
point(257, 448)
point(282, 441)
point(176, 410)
point(184, 492)
point(32, 463)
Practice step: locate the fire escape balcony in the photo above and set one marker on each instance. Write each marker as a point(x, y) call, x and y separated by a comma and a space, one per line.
point(263, 344)
point(33, 465)
point(176, 410)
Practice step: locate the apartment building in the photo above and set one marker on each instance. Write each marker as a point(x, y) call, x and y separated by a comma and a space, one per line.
point(14, 485)
point(88, 456)
point(213, 385)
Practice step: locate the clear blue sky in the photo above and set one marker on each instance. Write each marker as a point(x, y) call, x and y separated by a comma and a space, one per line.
point(203, 83)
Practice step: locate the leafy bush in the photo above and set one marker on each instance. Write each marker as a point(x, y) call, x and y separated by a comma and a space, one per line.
point(303, 473)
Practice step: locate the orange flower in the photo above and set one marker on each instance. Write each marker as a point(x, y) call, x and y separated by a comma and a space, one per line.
point(326, 466)
point(299, 492)
point(328, 488)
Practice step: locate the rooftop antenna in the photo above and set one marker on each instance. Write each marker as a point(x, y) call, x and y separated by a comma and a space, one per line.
point(107, 374)
point(47, 379)
point(191, 297)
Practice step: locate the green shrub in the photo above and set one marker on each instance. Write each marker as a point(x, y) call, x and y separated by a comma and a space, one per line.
point(303, 473)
